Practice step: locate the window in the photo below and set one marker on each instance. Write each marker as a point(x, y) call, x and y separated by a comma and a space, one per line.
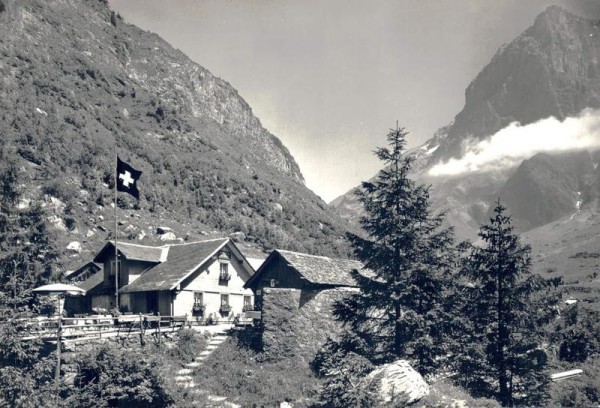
point(247, 303)
point(224, 275)
point(112, 269)
point(198, 298)
point(224, 300)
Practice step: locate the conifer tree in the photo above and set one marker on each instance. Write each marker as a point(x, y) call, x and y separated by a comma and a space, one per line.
point(507, 307)
point(26, 253)
point(400, 308)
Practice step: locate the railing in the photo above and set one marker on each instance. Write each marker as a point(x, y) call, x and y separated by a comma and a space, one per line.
point(76, 328)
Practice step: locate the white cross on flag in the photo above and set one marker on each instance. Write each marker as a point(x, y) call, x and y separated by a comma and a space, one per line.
point(127, 178)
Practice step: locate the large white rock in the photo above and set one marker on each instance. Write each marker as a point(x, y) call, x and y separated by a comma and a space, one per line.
point(399, 382)
point(169, 236)
point(74, 246)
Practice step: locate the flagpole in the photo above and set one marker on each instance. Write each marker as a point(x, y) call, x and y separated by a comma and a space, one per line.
point(116, 236)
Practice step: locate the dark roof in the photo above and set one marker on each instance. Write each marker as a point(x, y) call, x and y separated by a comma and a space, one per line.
point(319, 269)
point(90, 283)
point(83, 268)
point(181, 261)
point(133, 252)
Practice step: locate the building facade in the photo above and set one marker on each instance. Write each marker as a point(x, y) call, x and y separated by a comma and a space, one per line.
point(203, 280)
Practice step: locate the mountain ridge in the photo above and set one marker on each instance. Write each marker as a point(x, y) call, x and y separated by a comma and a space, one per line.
point(79, 81)
point(551, 69)
point(541, 73)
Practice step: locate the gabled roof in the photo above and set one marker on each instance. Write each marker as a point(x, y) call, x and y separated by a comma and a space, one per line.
point(87, 267)
point(92, 282)
point(133, 252)
point(182, 261)
point(319, 270)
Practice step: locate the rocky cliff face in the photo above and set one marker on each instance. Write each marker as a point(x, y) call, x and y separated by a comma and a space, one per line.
point(122, 60)
point(552, 69)
point(548, 187)
point(78, 84)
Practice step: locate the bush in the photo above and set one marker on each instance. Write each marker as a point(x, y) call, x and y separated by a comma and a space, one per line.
point(188, 344)
point(443, 394)
point(32, 386)
point(110, 375)
point(577, 334)
point(343, 370)
point(582, 391)
point(246, 378)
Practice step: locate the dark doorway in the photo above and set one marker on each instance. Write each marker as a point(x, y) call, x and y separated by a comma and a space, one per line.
point(152, 302)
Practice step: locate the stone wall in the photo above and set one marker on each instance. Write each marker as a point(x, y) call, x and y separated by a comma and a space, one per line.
point(297, 323)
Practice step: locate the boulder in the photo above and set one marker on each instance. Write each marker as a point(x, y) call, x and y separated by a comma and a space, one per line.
point(57, 222)
point(169, 236)
point(398, 382)
point(74, 246)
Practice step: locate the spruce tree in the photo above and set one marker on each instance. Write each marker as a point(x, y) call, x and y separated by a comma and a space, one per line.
point(26, 256)
point(506, 307)
point(408, 255)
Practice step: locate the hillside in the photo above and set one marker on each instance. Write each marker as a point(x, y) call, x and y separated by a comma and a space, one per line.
point(79, 83)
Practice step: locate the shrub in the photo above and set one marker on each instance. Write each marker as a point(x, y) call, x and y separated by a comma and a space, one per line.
point(32, 386)
point(343, 370)
point(114, 376)
point(444, 394)
point(582, 391)
point(246, 378)
point(188, 344)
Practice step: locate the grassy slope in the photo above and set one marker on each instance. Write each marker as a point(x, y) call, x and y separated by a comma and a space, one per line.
point(73, 83)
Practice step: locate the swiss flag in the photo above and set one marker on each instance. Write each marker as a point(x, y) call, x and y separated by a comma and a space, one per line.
point(127, 178)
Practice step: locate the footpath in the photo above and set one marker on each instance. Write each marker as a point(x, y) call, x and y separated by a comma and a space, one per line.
point(184, 376)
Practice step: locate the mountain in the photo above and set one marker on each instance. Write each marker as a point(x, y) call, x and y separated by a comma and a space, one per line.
point(550, 70)
point(79, 85)
point(554, 186)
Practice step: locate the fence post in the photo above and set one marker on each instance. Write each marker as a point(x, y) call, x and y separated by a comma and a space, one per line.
point(141, 330)
point(159, 339)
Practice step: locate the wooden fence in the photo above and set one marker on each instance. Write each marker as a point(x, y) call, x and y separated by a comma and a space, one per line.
point(100, 326)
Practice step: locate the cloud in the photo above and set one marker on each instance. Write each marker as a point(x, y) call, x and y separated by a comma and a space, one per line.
point(516, 142)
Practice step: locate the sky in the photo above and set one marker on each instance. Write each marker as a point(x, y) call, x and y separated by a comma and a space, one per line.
point(331, 77)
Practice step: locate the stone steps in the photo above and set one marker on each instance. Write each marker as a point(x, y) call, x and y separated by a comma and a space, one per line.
point(184, 376)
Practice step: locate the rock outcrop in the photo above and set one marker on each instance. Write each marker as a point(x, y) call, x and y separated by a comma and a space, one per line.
point(551, 69)
point(398, 383)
